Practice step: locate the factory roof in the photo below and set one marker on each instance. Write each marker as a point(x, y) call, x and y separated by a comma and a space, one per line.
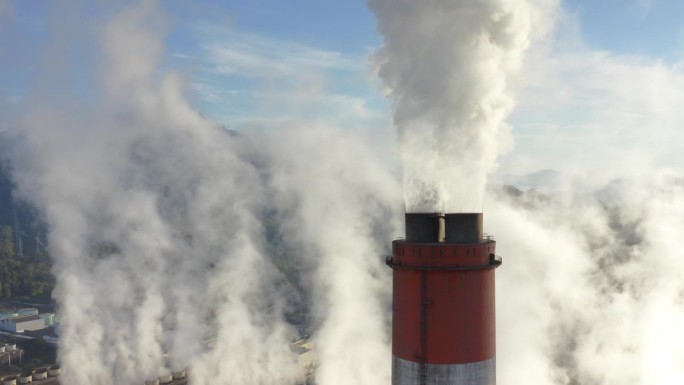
point(24, 318)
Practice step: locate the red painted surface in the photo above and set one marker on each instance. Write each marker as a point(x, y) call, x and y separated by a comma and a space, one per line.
point(459, 315)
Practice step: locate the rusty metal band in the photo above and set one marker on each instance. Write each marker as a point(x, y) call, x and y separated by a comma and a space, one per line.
point(493, 264)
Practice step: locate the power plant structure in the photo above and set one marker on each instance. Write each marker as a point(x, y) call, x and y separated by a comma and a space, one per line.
point(443, 324)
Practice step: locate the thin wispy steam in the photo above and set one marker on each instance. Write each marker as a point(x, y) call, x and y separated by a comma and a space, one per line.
point(446, 65)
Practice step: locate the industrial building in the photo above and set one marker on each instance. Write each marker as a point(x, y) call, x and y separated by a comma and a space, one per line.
point(175, 378)
point(18, 313)
point(443, 324)
point(41, 376)
point(22, 323)
point(26, 319)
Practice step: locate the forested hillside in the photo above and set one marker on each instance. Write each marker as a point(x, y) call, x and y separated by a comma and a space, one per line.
point(24, 259)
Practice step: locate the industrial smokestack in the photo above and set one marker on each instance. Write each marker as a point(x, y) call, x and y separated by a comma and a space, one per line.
point(443, 325)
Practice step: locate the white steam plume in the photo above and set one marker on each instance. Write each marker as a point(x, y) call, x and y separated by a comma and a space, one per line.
point(155, 229)
point(592, 292)
point(446, 65)
point(156, 226)
point(338, 207)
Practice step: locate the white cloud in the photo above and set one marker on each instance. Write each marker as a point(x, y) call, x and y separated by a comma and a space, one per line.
point(272, 80)
point(334, 109)
point(212, 93)
point(644, 6)
point(228, 51)
point(598, 112)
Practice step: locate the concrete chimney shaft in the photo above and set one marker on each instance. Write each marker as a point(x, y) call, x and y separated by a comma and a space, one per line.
point(443, 326)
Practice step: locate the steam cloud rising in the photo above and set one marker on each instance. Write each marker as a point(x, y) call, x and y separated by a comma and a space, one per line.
point(162, 224)
point(179, 244)
point(446, 65)
point(593, 293)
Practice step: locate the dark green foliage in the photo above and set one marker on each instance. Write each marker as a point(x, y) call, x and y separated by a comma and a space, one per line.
point(10, 273)
point(29, 275)
point(37, 280)
point(6, 243)
point(25, 278)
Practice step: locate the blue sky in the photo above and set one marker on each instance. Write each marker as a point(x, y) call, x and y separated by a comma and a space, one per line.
point(647, 27)
point(604, 86)
point(248, 59)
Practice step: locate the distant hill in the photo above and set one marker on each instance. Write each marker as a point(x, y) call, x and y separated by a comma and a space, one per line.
point(546, 181)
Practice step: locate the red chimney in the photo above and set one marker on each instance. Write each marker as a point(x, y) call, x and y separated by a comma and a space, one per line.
point(443, 325)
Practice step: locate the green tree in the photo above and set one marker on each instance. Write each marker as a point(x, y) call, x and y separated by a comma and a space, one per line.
point(6, 243)
point(37, 281)
point(11, 270)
